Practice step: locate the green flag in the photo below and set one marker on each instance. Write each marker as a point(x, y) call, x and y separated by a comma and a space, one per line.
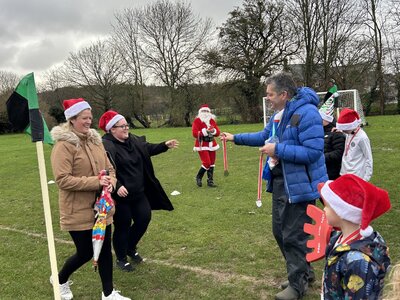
point(23, 111)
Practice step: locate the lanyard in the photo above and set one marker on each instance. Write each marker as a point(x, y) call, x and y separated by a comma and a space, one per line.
point(274, 126)
point(349, 143)
point(354, 236)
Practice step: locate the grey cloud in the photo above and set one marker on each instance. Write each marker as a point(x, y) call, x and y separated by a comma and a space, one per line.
point(36, 34)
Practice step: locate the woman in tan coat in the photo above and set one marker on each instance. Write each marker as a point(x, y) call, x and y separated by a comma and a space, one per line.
point(77, 158)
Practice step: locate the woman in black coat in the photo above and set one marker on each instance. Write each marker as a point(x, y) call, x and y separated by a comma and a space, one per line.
point(333, 149)
point(138, 191)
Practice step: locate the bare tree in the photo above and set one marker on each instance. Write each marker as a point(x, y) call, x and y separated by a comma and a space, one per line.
point(256, 39)
point(8, 81)
point(173, 38)
point(375, 25)
point(395, 11)
point(53, 79)
point(98, 69)
point(353, 63)
point(306, 19)
point(126, 38)
point(393, 43)
point(340, 21)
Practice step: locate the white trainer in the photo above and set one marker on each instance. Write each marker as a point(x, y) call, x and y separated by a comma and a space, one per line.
point(65, 290)
point(115, 295)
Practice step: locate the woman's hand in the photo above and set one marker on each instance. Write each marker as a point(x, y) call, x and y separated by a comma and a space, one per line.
point(105, 180)
point(122, 191)
point(110, 188)
point(172, 144)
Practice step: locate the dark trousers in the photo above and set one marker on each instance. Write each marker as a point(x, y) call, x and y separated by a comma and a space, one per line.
point(287, 225)
point(127, 234)
point(84, 253)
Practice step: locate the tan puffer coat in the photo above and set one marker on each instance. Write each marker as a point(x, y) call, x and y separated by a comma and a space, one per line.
point(76, 160)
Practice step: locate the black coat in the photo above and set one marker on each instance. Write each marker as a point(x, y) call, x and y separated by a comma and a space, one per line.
point(119, 154)
point(333, 150)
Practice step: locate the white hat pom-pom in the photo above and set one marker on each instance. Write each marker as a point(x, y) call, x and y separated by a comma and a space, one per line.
point(367, 231)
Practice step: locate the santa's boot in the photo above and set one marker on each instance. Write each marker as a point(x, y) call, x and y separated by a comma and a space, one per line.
point(210, 175)
point(199, 176)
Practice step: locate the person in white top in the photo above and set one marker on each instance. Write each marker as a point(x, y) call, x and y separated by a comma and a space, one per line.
point(357, 156)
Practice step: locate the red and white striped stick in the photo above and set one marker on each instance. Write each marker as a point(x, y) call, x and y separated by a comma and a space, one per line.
point(226, 172)
point(259, 187)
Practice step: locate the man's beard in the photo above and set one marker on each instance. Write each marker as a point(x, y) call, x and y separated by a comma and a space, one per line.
point(206, 117)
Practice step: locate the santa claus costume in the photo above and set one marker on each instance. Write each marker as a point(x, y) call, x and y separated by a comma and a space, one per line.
point(204, 130)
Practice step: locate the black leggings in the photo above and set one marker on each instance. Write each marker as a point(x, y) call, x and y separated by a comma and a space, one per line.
point(84, 253)
point(127, 234)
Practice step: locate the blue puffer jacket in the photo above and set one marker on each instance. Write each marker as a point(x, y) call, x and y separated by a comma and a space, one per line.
point(300, 149)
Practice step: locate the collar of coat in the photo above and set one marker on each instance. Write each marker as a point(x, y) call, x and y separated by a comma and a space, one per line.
point(64, 132)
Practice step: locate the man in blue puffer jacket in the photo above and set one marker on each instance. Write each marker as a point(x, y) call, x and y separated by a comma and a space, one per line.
point(296, 165)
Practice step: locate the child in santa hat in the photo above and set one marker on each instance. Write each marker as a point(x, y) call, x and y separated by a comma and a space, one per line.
point(357, 156)
point(357, 257)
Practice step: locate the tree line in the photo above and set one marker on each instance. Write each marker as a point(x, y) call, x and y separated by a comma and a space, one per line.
point(164, 58)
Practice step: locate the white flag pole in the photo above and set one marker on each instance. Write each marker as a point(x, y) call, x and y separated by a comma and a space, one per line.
point(48, 220)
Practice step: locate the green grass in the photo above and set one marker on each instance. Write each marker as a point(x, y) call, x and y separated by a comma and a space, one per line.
point(215, 245)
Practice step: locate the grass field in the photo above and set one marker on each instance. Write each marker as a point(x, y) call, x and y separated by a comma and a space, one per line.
point(215, 245)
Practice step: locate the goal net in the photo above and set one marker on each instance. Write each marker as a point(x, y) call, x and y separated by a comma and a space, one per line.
point(347, 98)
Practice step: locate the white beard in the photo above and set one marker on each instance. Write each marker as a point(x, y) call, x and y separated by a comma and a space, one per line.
point(206, 117)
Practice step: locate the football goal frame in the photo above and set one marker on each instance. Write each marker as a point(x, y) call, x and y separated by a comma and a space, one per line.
point(347, 99)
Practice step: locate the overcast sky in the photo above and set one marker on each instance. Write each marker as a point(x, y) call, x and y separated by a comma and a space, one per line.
point(38, 34)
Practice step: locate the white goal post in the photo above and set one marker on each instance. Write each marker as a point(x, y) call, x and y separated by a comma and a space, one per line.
point(347, 98)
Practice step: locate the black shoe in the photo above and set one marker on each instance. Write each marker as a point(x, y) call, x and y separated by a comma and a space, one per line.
point(124, 265)
point(198, 182)
point(199, 176)
point(210, 177)
point(135, 257)
point(211, 183)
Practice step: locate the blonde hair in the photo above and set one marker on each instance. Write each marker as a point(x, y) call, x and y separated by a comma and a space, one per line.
point(392, 290)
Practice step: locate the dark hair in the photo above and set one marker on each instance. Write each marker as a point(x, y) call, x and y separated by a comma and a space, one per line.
point(283, 82)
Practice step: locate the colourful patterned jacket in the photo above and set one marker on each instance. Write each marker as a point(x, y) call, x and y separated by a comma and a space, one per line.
point(355, 271)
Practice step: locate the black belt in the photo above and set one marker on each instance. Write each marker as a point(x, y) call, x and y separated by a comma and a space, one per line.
point(207, 138)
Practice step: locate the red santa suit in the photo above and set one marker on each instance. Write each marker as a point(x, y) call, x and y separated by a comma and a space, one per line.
point(204, 130)
point(205, 142)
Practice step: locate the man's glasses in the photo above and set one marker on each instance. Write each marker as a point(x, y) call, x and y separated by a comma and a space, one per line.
point(122, 126)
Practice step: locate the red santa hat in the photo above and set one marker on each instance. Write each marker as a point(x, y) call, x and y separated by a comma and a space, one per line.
point(73, 107)
point(348, 120)
point(204, 107)
point(355, 200)
point(109, 119)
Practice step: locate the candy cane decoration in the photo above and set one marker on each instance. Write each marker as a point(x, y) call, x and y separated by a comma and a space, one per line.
point(259, 188)
point(226, 172)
